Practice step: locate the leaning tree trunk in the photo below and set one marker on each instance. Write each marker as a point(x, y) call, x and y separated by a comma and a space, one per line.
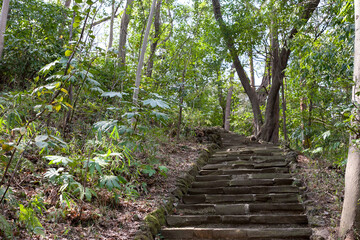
point(125, 19)
point(150, 64)
point(238, 67)
point(3, 20)
point(350, 216)
point(142, 54)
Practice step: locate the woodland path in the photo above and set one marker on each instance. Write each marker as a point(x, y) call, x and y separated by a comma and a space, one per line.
point(245, 191)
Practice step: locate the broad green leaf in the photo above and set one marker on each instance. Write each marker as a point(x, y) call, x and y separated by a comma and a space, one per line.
point(41, 138)
point(58, 160)
point(68, 53)
point(156, 103)
point(110, 182)
point(105, 126)
point(45, 70)
point(112, 94)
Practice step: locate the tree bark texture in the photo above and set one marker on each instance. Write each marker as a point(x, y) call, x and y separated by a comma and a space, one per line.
point(67, 3)
point(125, 19)
point(350, 216)
point(239, 68)
point(155, 42)
point(270, 130)
point(228, 100)
point(252, 73)
point(3, 20)
point(228, 108)
point(142, 54)
point(111, 34)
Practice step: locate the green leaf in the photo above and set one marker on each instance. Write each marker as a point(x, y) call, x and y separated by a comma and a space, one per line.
point(110, 182)
point(58, 160)
point(112, 94)
point(45, 70)
point(68, 53)
point(326, 134)
point(41, 138)
point(52, 173)
point(6, 227)
point(105, 126)
point(156, 103)
point(78, 1)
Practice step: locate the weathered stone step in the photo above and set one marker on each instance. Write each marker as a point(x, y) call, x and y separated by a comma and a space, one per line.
point(201, 178)
point(243, 171)
point(196, 220)
point(237, 198)
point(236, 233)
point(245, 165)
point(245, 190)
point(254, 151)
point(240, 209)
point(242, 182)
point(246, 159)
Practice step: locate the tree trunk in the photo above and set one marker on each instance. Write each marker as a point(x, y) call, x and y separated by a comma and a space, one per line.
point(111, 35)
point(3, 20)
point(181, 95)
point(150, 64)
point(350, 216)
point(142, 54)
point(270, 130)
point(125, 19)
point(228, 108)
point(252, 74)
point(228, 100)
point(67, 3)
point(239, 68)
point(283, 85)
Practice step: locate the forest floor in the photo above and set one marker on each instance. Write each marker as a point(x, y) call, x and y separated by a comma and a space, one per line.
point(106, 219)
point(323, 186)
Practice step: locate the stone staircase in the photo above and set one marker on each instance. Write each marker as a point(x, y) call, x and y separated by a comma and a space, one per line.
point(244, 192)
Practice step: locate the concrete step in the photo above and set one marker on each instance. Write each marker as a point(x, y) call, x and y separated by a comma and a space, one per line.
point(241, 198)
point(196, 220)
point(237, 233)
point(240, 209)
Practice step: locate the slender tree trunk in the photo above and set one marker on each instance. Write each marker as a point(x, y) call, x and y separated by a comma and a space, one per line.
point(3, 20)
point(239, 68)
point(228, 100)
point(252, 73)
point(228, 108)
point(150, 64)
point(142, 54)
point(181, 95)
point(283, 85)
point(350, 216)
point(67, 3)
point(111, 35)
point(125, 19)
